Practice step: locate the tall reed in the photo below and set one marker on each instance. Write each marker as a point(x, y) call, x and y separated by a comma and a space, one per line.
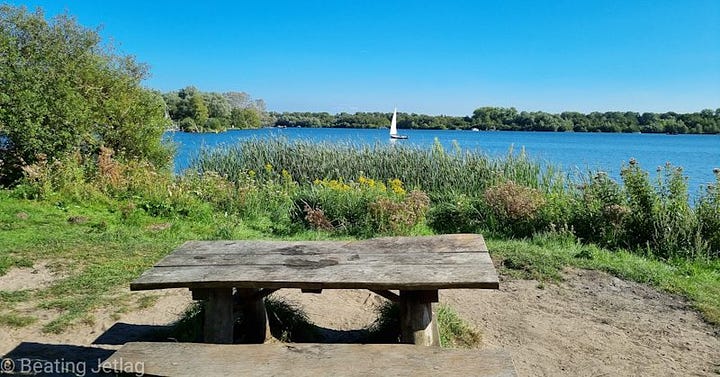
point(508, 196)
point(435, 171)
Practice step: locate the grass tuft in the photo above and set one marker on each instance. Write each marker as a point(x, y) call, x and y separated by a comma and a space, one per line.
point(454, 331)
point(16, 320)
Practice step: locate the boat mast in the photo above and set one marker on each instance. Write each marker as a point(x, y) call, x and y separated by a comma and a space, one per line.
point(393, 123)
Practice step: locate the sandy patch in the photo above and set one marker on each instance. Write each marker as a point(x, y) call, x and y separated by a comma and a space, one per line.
point(108, 328)
point(25, 278)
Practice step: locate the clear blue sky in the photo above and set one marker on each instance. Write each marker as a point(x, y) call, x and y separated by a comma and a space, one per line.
point(432, 57)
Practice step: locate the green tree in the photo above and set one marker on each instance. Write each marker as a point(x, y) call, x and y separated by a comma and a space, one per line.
point(62, 90)
point(198, 109)
point(245, 118)
point(218, 106)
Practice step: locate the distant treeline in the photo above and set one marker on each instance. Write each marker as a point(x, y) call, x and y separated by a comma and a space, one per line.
point(194, 111)
point(499, 118)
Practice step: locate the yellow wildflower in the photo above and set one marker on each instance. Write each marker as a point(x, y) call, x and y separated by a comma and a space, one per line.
point(397, 186)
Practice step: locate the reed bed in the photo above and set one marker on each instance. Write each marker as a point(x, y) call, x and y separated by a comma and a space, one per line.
point(438, 172)
point(511, 196)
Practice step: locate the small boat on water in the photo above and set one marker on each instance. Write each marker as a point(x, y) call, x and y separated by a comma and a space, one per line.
point(393, 127)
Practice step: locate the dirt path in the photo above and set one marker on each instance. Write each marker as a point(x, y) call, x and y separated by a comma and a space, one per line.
point(592, 324)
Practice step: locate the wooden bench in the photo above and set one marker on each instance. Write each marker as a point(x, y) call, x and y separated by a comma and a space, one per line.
point(415, 267)
point(312, 360)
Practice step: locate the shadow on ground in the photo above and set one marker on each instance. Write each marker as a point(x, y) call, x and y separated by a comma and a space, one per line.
point(41, 359)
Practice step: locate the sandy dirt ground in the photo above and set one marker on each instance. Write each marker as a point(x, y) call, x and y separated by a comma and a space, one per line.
point(591, 324)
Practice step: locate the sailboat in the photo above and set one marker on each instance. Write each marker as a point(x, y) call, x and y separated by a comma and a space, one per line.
point(393, 127)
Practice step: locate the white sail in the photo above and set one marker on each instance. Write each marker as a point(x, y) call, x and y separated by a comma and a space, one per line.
point(393, 123)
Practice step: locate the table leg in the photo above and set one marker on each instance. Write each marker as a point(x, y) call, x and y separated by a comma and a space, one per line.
point(254, 326)
point(219, 316)
point(418, 325)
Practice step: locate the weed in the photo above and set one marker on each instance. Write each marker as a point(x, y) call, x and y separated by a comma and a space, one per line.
point(16, 320)
point(454, 332)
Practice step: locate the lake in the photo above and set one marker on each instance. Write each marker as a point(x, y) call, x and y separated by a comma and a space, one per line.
point(697, 154)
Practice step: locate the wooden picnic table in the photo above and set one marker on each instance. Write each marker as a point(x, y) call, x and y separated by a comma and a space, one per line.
point(416, 267)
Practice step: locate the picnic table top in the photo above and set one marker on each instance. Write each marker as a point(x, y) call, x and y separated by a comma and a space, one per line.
point(404, 263)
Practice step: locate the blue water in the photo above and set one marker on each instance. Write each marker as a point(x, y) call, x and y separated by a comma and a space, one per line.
point(697, 154)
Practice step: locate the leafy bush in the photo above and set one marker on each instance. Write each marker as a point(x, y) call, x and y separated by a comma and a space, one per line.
point(266, 205)
point(600, 210)
point(708, 213)
point(660, 217)
point(641, 200)
point(460, 214)
point(399, 217)
point(62, 92)
point(515, 208)
point(675, 223)
point(364, 208)
point(62, 177)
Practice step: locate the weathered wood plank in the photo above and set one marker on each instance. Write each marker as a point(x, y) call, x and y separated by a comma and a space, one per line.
point(418, 325)
point(213, 259)
point(219, 316)
point(480, 274)
point(449, 243)
point(300, 360)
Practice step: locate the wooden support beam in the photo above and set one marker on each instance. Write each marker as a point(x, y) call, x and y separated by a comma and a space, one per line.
point(394, 297)
point(253, 327)
point(418, 324)
point(199, 293)
point(219, 316)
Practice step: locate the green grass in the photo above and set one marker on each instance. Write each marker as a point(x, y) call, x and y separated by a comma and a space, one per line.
point(98, 256)
point(454, 331)
point(16, 320)
point(12, 297)
point(110, 249)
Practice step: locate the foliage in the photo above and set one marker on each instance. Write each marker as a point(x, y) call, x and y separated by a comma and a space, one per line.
point(459, 214)
point(600, 210)
point(194, 111)
point(660, 216)
point(708, 213)
point(363, 208)
point(498, 118)
point(515, 208)
point(107, 218)
point(62, 91)
point(469, 192)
